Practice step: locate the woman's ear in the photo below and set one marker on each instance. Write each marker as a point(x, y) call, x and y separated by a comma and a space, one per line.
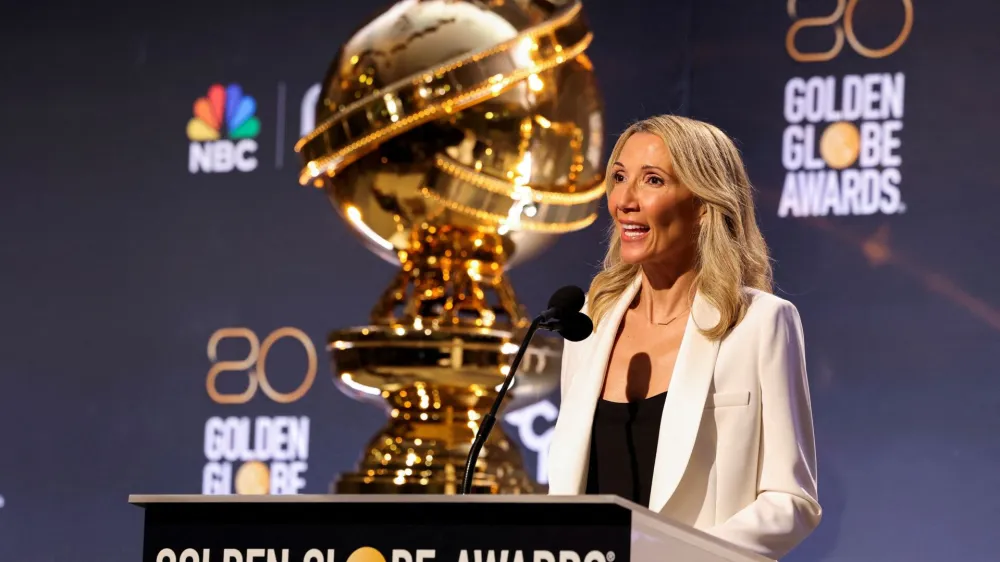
point(702, 212)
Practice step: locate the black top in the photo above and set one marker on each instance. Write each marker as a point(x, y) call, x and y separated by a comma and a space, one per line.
point(623, 448)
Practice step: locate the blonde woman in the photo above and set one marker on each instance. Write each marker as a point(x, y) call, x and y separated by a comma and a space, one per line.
point(691, 395)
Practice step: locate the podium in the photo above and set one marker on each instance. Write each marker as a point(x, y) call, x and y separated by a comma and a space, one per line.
point(418, 528)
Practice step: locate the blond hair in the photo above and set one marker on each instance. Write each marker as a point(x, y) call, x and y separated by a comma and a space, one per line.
point(731, 252)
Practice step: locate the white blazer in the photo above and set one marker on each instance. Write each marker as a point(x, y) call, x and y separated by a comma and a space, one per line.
point(736, 455)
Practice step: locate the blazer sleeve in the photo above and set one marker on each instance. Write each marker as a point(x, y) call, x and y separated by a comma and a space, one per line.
point(787, 507)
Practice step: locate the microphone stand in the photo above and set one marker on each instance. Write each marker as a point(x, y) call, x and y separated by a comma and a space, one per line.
point(489, 419)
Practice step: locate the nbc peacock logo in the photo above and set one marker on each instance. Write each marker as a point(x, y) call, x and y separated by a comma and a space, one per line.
point(222, 131)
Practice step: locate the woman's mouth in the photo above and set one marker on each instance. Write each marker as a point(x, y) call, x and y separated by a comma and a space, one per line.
point(632, 232)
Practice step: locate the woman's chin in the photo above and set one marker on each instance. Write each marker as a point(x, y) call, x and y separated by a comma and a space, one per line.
point(633, 258)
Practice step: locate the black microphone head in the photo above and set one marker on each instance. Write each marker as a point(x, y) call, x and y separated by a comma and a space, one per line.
point(567, 298)
point(576, 326)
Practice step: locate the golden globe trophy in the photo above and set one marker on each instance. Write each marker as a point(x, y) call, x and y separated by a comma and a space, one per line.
point(457, 138)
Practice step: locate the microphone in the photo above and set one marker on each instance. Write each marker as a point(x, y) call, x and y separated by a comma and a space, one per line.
point(566, 299)
point(563, 316)
point(575, 326)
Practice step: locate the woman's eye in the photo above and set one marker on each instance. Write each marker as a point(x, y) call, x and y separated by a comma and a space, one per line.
point(655, 180)
point(619, 177)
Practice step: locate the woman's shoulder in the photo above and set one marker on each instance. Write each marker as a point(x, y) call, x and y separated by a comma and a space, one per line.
point(768, 308)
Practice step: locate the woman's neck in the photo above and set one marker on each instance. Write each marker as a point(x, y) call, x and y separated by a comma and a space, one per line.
point(666, 294)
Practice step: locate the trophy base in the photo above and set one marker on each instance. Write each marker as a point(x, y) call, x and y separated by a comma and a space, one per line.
point(438, 384)
point(499, 473)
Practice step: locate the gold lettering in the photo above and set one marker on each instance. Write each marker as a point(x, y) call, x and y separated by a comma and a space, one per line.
point(885, 51)
point(846, 30)
point(307, 382)
point(220, 366)
point(838, 42)
point(255, 365)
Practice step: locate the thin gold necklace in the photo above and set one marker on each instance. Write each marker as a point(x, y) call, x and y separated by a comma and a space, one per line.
point(675, 317)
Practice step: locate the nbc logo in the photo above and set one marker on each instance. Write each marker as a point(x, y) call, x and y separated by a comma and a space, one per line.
point(222, 131)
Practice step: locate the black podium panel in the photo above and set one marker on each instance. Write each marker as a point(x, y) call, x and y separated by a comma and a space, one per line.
point(361, 531)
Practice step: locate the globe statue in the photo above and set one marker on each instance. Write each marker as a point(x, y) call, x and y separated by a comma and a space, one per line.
point(457, 139)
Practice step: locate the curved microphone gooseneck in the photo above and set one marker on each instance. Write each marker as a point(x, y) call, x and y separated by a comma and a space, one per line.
point(564, 317)
point(490, 418)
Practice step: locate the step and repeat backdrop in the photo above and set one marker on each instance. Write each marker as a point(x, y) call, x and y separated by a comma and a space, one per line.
point(148, 262)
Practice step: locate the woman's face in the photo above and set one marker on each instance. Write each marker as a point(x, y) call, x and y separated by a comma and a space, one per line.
point(657, 217)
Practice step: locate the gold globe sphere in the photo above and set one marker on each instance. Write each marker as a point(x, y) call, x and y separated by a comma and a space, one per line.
point(480, 116)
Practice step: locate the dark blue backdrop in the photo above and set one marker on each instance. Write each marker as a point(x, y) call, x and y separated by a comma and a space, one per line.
point(117, 264)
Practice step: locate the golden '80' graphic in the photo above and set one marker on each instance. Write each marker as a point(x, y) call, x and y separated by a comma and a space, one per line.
point(842, 19)
point(254, 365)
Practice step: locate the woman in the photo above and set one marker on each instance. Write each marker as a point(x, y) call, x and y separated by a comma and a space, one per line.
point(691, 396)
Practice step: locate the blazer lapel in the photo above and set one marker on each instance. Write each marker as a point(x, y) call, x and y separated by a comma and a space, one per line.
point(585, 389)
point(685, 403)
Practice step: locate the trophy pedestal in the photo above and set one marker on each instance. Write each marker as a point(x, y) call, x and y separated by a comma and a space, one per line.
point(439, 384)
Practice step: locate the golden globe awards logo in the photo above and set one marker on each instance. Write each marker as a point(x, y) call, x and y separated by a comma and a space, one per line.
point(842, 140)
point(255, 454)
point(369, 554)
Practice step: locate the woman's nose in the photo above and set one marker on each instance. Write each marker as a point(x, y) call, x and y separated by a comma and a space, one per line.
point(627, 202)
